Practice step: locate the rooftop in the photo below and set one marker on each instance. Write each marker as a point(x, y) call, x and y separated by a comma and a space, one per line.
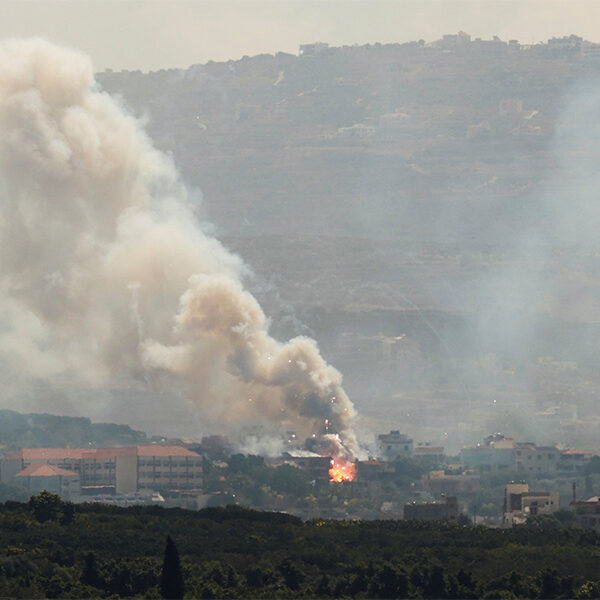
point(39, 454)
point(44, 470)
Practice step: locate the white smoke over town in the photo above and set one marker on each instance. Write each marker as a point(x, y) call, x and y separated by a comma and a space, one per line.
point(105, 271)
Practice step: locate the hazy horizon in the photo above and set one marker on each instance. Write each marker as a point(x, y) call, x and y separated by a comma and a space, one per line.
point(156, 34)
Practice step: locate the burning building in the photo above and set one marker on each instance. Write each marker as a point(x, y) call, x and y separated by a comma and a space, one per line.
point(316, 467)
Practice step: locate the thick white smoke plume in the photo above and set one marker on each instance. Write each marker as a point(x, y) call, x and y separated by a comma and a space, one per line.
point(105, 271)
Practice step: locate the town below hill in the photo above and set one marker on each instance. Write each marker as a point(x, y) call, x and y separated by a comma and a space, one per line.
point(498, 482)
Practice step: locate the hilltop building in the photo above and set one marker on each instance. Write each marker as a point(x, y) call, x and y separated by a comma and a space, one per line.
point(313, 49)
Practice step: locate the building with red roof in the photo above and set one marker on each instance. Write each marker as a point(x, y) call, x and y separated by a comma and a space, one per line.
point(42, 476)
point(125, 469)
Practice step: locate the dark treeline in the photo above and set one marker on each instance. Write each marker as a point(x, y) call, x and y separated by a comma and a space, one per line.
point(54, 549)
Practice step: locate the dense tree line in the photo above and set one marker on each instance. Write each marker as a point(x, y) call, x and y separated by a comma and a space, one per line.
point(53, 549)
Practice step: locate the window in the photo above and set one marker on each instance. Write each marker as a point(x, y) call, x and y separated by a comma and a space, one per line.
point(551, 456)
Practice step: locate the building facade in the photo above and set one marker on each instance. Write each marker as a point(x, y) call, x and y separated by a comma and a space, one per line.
point(393, 445)
point(537, 460)
point(40, 476)
point(520, 503)
point(127, 469)
point(587, 513)
point(433, 511)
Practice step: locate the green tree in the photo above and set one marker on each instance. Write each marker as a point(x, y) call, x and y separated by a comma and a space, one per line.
point(46, 506)
point(90, 574)
point(171, 579)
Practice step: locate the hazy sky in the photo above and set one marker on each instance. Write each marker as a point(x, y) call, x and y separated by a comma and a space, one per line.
point(154, 34)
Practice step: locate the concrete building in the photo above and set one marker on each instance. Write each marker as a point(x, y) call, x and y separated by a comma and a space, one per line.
point(40, 476)
point(453, 41)
point(537, 460)
point(446, 510)
point(587, 513)
point(427, 454)
point(316, 467)
point(394, 444)
point(494, 454)
point(521, 503)
point(313, 49)
point(442, 483)
point(373, 471)
point(573, 461)
point(125, 469)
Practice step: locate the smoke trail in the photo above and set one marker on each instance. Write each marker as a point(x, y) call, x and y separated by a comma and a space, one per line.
point(89, 206)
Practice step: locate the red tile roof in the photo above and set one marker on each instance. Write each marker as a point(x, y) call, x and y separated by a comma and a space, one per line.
point(158, 450)
point(44, 470)
point(29, 454)
point(43, 454)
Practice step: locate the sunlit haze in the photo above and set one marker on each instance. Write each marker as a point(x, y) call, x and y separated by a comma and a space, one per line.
point(150, 35)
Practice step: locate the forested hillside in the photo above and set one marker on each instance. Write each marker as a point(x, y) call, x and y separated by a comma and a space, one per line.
point(42, 430)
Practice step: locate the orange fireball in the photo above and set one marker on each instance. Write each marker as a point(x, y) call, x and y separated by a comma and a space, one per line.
point(342, 471)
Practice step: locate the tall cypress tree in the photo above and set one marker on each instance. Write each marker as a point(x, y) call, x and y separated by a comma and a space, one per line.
point(171, 579)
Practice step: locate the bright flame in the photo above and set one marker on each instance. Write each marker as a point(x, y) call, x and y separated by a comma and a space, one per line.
point(342, 471)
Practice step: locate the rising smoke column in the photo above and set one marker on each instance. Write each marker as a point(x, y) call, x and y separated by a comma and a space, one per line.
point(105, 271)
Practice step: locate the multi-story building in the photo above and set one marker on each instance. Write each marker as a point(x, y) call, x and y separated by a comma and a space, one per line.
point(127, 469)
point(429, 455)
point(587, 513)
point(536, 460)
point(433, 511)
point(439, 482)
point(494, 454)
point(40, 476)
point(521, 503)
point(573, 461)
point(315, 466)
point(394, 444)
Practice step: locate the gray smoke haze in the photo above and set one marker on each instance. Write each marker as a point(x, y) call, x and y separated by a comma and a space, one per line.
point(105, 272)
